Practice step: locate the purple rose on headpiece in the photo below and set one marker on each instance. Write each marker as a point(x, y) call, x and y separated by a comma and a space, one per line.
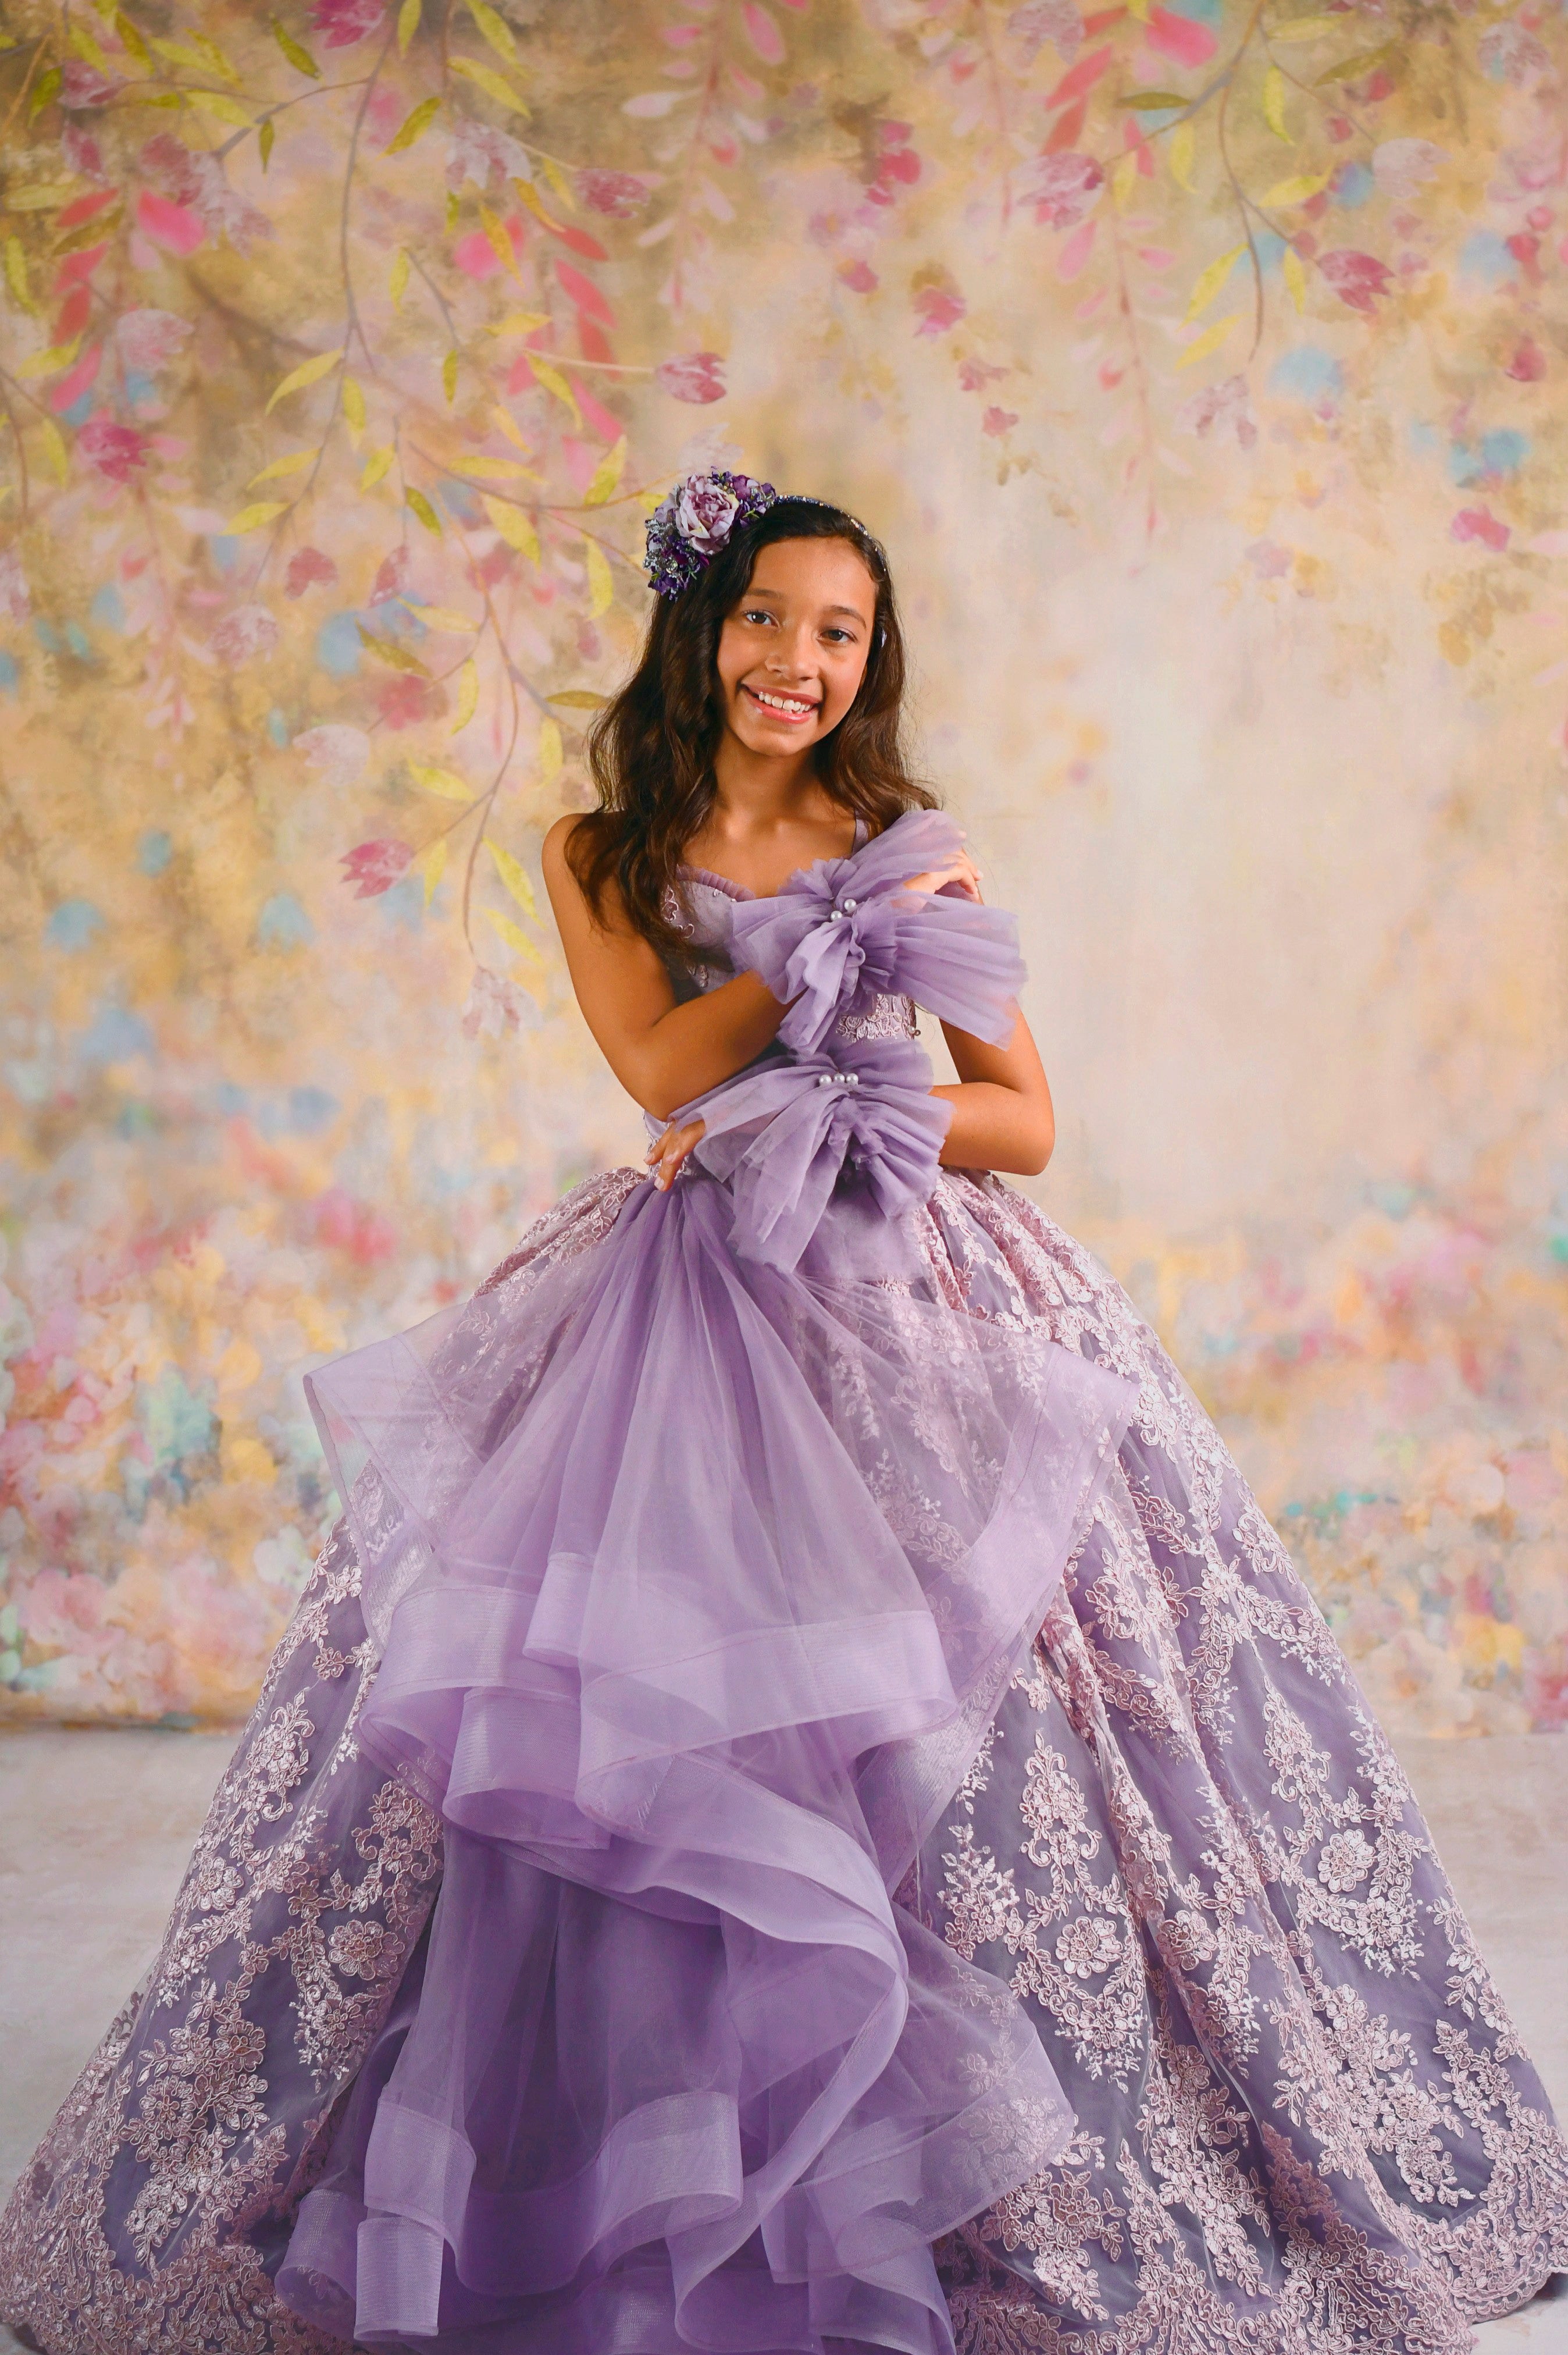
point(694, 520)
point(706, 510)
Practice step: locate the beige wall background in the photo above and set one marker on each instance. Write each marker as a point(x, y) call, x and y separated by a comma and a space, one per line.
point(1202, 368)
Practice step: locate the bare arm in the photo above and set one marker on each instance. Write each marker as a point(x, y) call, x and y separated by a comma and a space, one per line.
point(662, 1053)
point(1003, 1113)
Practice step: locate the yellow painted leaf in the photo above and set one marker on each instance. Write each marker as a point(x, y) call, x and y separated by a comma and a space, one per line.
point(1139, 8)
point(225, 109)
point(1295, 276)
point(495, 228)
point(450, 374)
point(445, 781)
point(509, 426)
point(529, 195)
point(578, 699)
point(397, 276)
point(521, 322)
point(1298, 189)
point(408, 24)
point(1305, 28)
point(431, 864)
point(600, 580)
point(515, 527)
point(1365, 61)
point(495, 85)
point(554, 381)
point(353, 407)
point(290, 464)
point(40, 200)
point(50, 362)
point(1183, 149)
point(1209, 341)
point(513, 874)
point(552, 753)
point(45, 90)
point(454, 209)
point(388, 651)
point(501, 470)
point(1274, 102)
point(514, 936)
point(130, 38)
point(496, 30)
point(413, 126)
point(376, 465)
point(299, 56)
point(308, 372)
point(84, 45)
point(89, 233)
point(606, 476)
point(650, 498)
point(251, 518)
point(16, 274)
point(1124, 177)
point(467, 695)
point(443, 617)
point(420, 504)
point(176, 55)
point(55, 450)
point(560, 181)
point(1211, 280)
point(212, 56)
point(265, 140)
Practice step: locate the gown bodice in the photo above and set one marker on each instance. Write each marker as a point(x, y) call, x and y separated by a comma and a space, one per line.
point(704, 909)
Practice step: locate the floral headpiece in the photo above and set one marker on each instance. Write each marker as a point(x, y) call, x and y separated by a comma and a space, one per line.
point(694, 520)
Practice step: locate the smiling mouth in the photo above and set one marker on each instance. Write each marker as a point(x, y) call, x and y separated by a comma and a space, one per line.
point(791, 707)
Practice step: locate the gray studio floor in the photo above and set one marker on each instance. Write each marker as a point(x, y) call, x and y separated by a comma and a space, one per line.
point(95, 1828)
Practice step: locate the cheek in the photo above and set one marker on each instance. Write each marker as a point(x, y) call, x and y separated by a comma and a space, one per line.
point(843, 686)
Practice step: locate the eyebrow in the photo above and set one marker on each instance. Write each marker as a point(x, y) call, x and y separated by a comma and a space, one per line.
point(777, 595)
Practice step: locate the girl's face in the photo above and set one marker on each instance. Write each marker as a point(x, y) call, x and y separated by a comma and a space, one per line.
point(792, 654)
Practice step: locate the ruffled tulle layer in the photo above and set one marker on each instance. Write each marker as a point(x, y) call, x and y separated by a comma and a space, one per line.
point(697, 1584)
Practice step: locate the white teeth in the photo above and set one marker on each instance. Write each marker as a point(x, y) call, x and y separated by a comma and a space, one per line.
point(782, 702)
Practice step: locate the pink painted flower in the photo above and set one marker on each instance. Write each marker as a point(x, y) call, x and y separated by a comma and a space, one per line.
point(997, 422)
point(196, 181)
point(1039, 21)
point(1527, 364)
point(1507, 53)
point(307, 567)
point(116, 451)
point(859, 277)
point(15, 596)
point(621, 195)
point(149, 340)
point(1062, 188)
point(480, 152)
point(83, 85)
point(341, 23)
point(494, 1007)
point(1358, 279)
point(391, 577)
point(375, 867)
point(242, 635)
point(938, 308)
point(1220, 408)
point(406, 700)
point(695, 377)
point(975, 375)
point(82, 152)
point(1480, 522)
point(334, 750)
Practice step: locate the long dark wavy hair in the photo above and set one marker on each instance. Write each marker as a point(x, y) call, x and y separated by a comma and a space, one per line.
point(652, 749)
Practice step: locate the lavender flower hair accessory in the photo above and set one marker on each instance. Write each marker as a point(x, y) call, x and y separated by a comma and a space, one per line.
point(694, 520)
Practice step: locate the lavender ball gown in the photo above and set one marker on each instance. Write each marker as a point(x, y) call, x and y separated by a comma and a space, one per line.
point(803, 1803)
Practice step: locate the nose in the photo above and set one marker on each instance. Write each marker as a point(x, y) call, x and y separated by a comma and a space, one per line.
point(792, 657)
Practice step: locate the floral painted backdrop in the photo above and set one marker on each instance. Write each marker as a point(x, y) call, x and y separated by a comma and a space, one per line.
point(1203, 363)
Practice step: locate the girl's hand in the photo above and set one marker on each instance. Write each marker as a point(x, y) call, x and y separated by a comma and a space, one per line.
point(963, 872)
point(667, 1156)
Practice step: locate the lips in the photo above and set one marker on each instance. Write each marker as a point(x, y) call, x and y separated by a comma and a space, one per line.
point(792, 710)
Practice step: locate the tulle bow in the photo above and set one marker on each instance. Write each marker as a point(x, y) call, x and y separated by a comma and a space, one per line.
point(785, 1131)
point(844, 932)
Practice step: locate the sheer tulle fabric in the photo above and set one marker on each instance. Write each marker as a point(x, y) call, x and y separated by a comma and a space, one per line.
point(694, 1609)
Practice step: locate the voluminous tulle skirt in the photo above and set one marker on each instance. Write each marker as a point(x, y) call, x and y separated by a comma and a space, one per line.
point(915, 1863)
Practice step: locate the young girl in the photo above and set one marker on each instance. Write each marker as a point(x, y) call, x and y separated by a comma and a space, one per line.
point(804, 1803)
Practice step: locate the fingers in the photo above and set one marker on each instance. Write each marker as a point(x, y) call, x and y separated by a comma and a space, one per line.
point(672, 1150)
point(962, 871)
